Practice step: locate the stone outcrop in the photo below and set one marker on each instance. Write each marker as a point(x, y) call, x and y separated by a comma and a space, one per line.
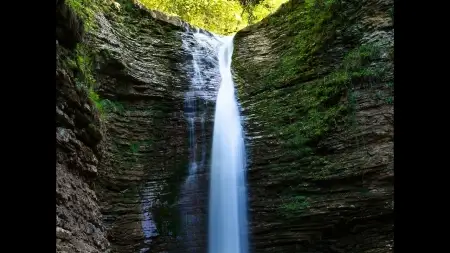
point(139, 71)
point(315, 81)
point(79, 227)
point(121, 129)
point(143, 72)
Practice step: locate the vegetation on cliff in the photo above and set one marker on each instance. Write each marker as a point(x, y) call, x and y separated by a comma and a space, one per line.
point(292, 78)
point(81, 60)
point(205, 14)
point(314, 110)
point(219, 16)
point(85, 9)
point(308, 86)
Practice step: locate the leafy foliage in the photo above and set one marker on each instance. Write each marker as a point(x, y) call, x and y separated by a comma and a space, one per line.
point(294, 205)
point(219, 16)
point(262, 9)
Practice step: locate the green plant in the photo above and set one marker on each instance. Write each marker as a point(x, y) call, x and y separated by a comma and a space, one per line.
point(219, 16)
point(134, 147)
point(84, 63)
point(95, 98)
point(112, 106)
point(361, 57)
point(389, 100)
point(294, 204)
point(85, 9)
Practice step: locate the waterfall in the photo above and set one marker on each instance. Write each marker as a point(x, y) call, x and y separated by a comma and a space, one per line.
point(148, 225)
point(209, 71)
point(228, 194)
point(202, 70)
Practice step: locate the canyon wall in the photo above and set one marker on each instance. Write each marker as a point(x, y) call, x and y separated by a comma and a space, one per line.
point(315, 81)
point(79, 227)
point(131, 70)
point(143, 71)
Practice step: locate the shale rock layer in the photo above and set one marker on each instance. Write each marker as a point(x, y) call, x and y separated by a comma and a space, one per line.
point(79, 227)
point(144, 72)
point(315, 81)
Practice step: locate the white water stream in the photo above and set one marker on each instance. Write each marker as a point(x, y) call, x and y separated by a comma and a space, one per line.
point(227, 229)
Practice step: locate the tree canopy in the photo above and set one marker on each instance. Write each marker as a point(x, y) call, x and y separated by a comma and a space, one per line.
point(218, 16)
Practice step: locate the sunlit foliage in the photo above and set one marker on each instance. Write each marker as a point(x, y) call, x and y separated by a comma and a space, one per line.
point(262, 9)
point(219, 16)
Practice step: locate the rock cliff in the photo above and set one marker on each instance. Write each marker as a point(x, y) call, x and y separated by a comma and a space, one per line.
point(79, 227)
point(315, 81)
point(142, 70)
point(132, 72)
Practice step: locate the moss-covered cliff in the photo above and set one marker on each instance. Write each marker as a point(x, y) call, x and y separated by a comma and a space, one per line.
point(131, 71)
point(140, 70)
point(316, 85)
point(79, 227)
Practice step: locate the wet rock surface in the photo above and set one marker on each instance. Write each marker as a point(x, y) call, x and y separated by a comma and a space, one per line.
point(144, 70)
point(331, 191)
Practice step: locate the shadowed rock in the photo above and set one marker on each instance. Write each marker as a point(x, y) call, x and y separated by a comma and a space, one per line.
point(319, 117)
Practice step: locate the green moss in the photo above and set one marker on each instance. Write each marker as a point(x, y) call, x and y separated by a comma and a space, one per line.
point(126, 5)
point(140, 145)
point(301, 103)
point(309, 25)
point(320, 99)
point(84, 64)
point(305, 112)
point(307, 90)
point(86, 10)
point(105, 106)
point(301, 111)
point(71, 63)
point(294, 205)
point(113, 106)
point(96, 100)
point(361, 56)
point(81, 63)
point(389, 100)
point(134, 147)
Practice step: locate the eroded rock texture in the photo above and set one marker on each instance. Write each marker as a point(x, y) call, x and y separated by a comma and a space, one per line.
point(144, 74)
point(316, 85)
point(78, 219)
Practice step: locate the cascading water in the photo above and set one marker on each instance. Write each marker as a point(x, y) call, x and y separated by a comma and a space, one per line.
point(201, 68)
point(190, 189)
point(148, 226)
point(228, 194)
point(208, 66)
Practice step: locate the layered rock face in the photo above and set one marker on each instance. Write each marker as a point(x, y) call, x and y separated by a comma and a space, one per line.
point(144, 70)
point(315, 81)
point(79, 227)
point(143, 67)
point(139, 72)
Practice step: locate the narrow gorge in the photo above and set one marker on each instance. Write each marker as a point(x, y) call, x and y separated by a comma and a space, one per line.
point(136, 94)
